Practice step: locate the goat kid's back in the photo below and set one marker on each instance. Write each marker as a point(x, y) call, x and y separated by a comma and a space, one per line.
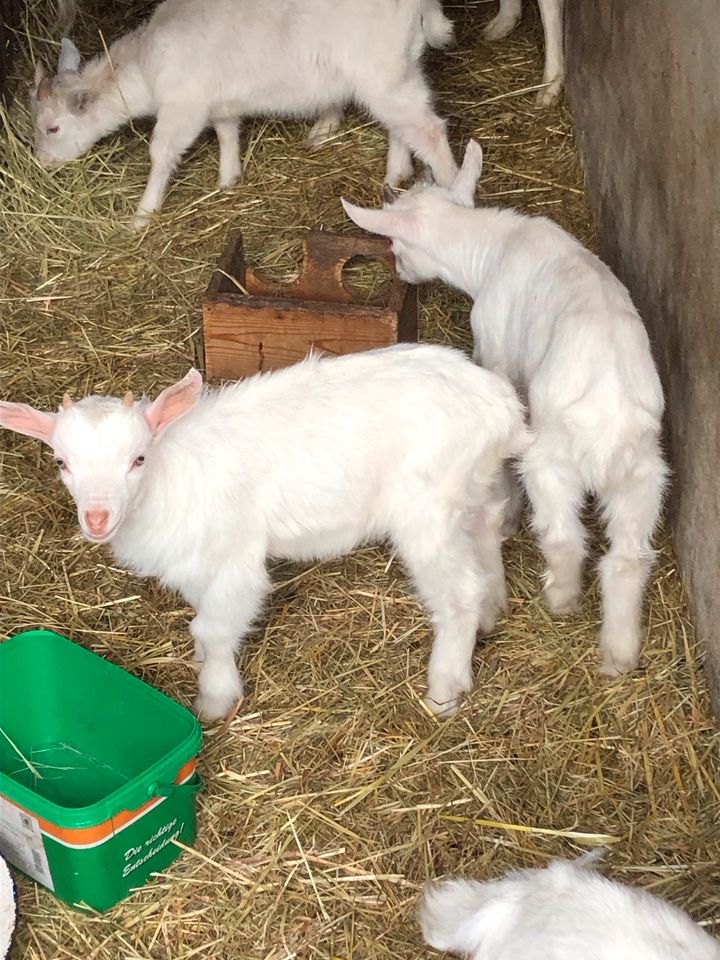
point(352, 439)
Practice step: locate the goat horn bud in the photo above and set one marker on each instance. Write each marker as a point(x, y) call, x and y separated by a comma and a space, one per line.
point(128, 399)
point(67, 401)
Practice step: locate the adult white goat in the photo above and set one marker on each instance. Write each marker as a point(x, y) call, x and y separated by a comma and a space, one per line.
point(564, 912)
point(554, 319)
point(200, 489)
point(202, 62)
point(551, 12)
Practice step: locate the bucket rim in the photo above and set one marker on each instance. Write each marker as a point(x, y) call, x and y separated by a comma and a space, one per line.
point(129, 796)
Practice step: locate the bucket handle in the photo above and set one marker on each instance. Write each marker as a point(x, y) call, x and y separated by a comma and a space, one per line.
point(193, 786)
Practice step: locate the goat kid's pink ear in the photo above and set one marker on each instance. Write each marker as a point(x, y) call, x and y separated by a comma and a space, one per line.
point(400, 224)
point(174, 401)
point(25, 419)
point(463, 188)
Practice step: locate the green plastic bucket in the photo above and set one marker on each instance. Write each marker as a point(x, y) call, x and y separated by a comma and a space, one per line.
point(97, 771)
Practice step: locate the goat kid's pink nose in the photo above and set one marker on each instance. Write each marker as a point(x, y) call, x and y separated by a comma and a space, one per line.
point(97, 520)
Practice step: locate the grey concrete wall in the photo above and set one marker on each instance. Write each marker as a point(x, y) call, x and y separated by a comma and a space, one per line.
point(644, 86)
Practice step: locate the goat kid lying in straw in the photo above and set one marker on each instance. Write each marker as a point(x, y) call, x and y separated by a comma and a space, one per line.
point(565, 912)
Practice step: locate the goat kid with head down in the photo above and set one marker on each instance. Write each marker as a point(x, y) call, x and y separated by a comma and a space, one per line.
point(566, 911)
point(201, 488)
point(197, 63)
point(553, 319)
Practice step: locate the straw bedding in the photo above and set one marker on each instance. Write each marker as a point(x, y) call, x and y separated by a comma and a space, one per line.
point(333, 795)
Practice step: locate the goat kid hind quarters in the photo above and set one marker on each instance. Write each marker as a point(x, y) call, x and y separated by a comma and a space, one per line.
point(403, 443)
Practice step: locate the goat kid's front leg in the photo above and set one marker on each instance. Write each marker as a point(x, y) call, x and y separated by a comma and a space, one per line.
point(505, 21)
point(328, 123)
point(175, 130)
point(551, 12)
point(228, 134)
point(224, 616)
point(413, 124)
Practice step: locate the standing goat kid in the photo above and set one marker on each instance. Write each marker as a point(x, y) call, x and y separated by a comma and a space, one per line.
point(211, 62)
point(200, 489)
point(552, 318)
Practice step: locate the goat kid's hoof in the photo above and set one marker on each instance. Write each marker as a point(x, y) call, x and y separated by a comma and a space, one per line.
point(139, 222)
point(212, 709)
point(499, 27)
point(548, 95)
point(442, 710)
point(616, 668)
point(560, 601)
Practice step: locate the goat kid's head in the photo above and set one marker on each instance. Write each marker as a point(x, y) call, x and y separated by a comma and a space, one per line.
point(412, 220)
point(101, 445)
point(61, 107)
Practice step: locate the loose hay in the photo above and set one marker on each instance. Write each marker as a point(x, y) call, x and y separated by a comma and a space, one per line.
point(333, 795)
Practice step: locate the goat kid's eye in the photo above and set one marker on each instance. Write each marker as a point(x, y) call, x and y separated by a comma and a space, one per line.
point(61, 463)
point(138, 462)
point(52, 130)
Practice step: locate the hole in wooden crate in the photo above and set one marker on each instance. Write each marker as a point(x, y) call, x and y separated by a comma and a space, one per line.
point(367, 278)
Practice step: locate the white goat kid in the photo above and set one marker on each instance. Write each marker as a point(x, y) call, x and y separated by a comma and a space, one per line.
point(554, 319)
point(202, 62)
point(564, 912)
point(551, 12)
point(308, 462)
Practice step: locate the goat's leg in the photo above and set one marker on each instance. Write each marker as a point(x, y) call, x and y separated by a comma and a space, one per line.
point(505, 21)
point(556, 494)
point(228, 134)
point(551, 12)
point(512, 493)
point(399, 161)
point(224, 615)
point(631, 508)
point(175, 130)
point(444, 561)
point(408, 115)
point(328, 123)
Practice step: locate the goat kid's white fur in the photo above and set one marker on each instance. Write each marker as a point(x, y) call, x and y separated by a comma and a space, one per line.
point(211, 62)
point(564, 912)
point(551, 12)
point(553, 319)
point(201, 488)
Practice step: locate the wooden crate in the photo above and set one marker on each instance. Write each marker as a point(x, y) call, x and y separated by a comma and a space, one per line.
point(251, 325)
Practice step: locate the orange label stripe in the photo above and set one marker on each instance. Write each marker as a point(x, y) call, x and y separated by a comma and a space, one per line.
point(97, 833)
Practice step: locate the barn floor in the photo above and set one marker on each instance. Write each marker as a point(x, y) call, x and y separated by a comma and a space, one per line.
point(333, 795)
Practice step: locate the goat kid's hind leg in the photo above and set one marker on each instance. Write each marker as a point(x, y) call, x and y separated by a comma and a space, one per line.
point(175, 130)
point(443, 562)
point(551, 12)
point(487, 531)
point(224, 615)
point(228, 134)
point(631, 510)
point(505, 21)
point(556, 494)
point(512, 493)
point(328, 123)
point(399, 161)
point(408, 115)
